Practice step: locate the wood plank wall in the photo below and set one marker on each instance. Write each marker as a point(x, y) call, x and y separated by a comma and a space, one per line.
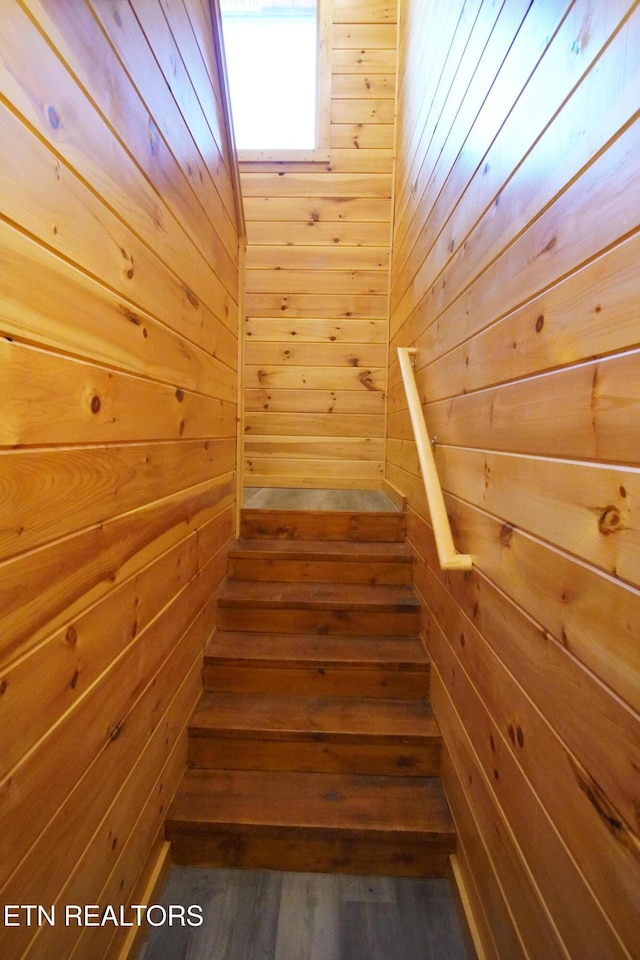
point(118, 324)
point(515, 274)
point(315, 369)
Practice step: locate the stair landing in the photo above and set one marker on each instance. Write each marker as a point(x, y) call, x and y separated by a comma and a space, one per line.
point(288, 498)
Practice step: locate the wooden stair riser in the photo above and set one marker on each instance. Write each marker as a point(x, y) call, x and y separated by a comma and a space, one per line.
point(319, 571)
point(379, 759)
point(309, 852)
point(322, 681)
point(310, 525)
point(322, 622)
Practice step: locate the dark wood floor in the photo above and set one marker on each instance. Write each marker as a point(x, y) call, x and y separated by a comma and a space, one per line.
point(264, 915)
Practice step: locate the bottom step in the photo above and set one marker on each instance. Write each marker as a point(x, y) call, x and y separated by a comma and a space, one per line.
point(390, 826)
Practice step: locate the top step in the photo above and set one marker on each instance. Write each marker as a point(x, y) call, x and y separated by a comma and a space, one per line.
point(322, 525)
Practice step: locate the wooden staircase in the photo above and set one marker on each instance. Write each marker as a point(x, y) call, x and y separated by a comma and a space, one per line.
point(313, 746)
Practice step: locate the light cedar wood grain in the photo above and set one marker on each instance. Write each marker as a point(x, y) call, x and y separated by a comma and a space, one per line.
point(92, 152)
point(79, 37)
point(559, 807)
point(46, 300)
point(369, 35)
point(334, 474)
point(353, 61)
point(542, 334)
point(297, 354)
point(50, 773)
point(212, 181)
point(315, 401)
point(492, 234)
point(74, 824)
point(74, 402)
point(315, 424)
point(361, 136)
point(47, 588)
point(316, 232)
point(52, 204)
point(85, 486)
point(531, 920)
point(353, 331)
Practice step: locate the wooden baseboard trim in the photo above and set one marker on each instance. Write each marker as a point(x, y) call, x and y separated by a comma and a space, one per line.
point(465, 909)
point(394, 494)
point(156, 870)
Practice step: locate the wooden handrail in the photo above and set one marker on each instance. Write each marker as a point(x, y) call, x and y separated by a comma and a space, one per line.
point(448, 556)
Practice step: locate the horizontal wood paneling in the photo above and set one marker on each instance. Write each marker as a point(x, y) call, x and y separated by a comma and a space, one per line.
point(514, 274)
point(83, 230)
point(43, 589)
point(511, 745)
point(66, 670)
point(326, 184)
point(84, 485)
point(317, 271)
point(318, 209)
point(354, 332)
point(549, 240)
point(212, 181)
point(315, 401)
point(354, 87)
point(334, 448)
point(119, 255)
point(316, 257)
point(348, 61)
point(572, 413)
point(335, 282)
point(542, 335)
point(500, 938)
point(286, 424)
point(345, 136)
point(313, 473)
point(301, 354)
point(310, 306)
point(362, 111)
point(94, 801)
point(105, 165)
point(367, 33)
point(316, 233)
point(315, 378)
point(94, 403)
point(364, 11)
point(45, 300)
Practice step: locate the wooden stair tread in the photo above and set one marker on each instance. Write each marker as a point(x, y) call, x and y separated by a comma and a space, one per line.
point(290, 650)
point(338, 719)
point(357, 551)
point(352, 805)
point(284, 595)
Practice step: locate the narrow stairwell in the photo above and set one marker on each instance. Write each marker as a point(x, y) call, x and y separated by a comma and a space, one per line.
point(314, 746)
